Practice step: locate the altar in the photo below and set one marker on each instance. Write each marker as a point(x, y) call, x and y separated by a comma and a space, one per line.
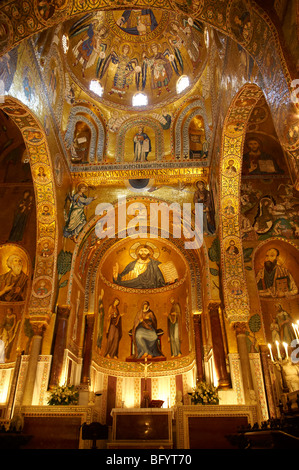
point(141, 428)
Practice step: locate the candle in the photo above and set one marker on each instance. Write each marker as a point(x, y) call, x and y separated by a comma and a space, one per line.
point(286, 349)
point(270, 349)
point(295, 330)
point(278, 350)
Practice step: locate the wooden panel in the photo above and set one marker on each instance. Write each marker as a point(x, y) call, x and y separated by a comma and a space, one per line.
point(206, 432)
point(52, 432)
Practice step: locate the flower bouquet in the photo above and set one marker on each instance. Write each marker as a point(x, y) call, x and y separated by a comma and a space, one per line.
point(64, 395)
point(204, 394)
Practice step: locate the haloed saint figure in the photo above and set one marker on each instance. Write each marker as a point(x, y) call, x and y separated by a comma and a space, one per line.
point(274, 280)
point(13, 283)
point(145, 333)
point(142, 146)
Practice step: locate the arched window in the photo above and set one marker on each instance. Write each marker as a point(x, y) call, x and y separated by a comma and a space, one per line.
point(182, 83)
point(140, 99)
point(96, 87)
point(65, 43)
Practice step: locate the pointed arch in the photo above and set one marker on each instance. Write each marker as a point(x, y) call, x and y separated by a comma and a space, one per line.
point(88, 274)
point(45, 193)
point(234, 132)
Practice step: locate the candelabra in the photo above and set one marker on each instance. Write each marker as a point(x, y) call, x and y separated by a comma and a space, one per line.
point(279, 359)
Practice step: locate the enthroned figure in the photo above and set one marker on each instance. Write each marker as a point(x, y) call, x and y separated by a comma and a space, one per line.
point(146, 335)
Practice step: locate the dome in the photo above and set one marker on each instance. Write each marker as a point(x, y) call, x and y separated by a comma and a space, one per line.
point(117, 54)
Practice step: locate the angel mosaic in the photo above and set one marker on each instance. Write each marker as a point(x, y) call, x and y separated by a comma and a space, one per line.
point(188, 36)
point(21, 216)
point(75, 218)
point(161, 66)
point(92, 47)
point(127, 70)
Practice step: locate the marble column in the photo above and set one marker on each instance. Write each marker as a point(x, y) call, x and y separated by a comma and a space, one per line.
point(87, 349)
point(249, 394)
point(198, 346)
point(62, 316)
point(218, 346)
point(36, 343)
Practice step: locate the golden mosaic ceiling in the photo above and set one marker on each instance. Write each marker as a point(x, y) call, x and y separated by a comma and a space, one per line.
point(130, 51)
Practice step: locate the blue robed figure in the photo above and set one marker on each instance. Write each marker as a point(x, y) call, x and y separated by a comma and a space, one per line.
point(138, 22)
point(145, 333)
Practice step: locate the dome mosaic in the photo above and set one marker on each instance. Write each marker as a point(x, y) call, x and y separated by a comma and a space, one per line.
point(116, 54)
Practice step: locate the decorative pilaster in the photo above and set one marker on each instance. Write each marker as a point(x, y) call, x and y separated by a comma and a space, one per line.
point(87, 348)
point(62, 316)
point(39, 328)
point(249, 394)
point(198, 346)
point(218, 346)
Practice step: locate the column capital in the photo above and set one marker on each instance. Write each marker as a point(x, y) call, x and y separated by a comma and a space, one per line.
point(39, 324)
point(214, 307)
point(63, 311)
point(197, 318)
point(240, 328)
point(89, 317)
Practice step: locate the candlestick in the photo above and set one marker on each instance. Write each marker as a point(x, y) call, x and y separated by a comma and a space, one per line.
point(270, 349)
point(286, 349)
point(278, 350)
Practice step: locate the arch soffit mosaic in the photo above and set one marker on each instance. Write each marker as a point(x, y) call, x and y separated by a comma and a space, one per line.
point(45, 193)
point(233, 137)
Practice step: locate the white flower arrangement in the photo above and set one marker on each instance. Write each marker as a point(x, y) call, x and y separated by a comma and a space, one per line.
point(204, 394)
point(64, 395)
